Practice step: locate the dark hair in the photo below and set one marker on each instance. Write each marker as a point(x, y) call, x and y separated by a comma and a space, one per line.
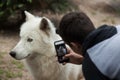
point(74, 27)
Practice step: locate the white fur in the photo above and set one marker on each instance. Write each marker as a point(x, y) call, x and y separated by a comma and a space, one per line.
point(39, 54)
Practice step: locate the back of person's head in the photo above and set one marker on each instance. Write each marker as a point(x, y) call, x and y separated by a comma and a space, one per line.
point(75, 26)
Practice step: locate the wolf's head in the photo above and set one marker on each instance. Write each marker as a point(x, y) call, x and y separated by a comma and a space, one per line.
point(37, 35)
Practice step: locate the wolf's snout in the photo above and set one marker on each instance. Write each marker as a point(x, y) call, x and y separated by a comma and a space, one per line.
point(13, 54)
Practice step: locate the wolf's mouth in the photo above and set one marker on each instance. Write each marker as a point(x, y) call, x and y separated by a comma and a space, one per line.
point(22, 57)
point(27, 56)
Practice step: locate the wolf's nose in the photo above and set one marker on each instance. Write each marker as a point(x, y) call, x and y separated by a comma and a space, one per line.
point(12, 53)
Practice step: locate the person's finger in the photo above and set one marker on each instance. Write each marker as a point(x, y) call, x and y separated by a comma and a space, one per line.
point(67, 55)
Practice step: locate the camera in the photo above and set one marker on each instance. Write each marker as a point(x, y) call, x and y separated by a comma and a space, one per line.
point(61, 51)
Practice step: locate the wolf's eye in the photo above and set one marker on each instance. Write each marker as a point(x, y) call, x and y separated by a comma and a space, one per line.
point(29, 39)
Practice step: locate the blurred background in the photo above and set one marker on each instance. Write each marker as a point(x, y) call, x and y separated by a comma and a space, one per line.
point(12, 16)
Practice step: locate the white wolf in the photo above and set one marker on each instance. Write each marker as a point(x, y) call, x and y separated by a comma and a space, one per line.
point(36, 47)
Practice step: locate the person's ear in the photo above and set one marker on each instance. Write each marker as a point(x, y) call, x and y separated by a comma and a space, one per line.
point(73, 45)
point(76, 46)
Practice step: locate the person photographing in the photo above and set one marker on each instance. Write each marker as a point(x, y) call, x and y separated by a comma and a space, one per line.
point(96, 49)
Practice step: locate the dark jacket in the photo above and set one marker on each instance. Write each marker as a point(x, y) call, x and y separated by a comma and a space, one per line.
point(101, 50)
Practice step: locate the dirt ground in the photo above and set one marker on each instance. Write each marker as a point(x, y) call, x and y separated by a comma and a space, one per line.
point(100, 11)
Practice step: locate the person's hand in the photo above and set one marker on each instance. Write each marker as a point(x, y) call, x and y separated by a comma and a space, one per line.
point(74, 58)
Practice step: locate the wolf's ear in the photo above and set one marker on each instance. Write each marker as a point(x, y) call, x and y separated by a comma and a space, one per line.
point(28, 15)
point(44, 24)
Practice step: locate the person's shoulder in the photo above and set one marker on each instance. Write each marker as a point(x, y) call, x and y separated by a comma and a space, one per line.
point(106, 27)
point(102, 33)
point(107, 30)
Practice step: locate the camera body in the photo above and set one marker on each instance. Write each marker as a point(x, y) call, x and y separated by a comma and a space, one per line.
point(61, 51)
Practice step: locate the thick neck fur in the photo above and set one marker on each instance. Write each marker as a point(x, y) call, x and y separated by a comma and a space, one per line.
point(44, 67)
